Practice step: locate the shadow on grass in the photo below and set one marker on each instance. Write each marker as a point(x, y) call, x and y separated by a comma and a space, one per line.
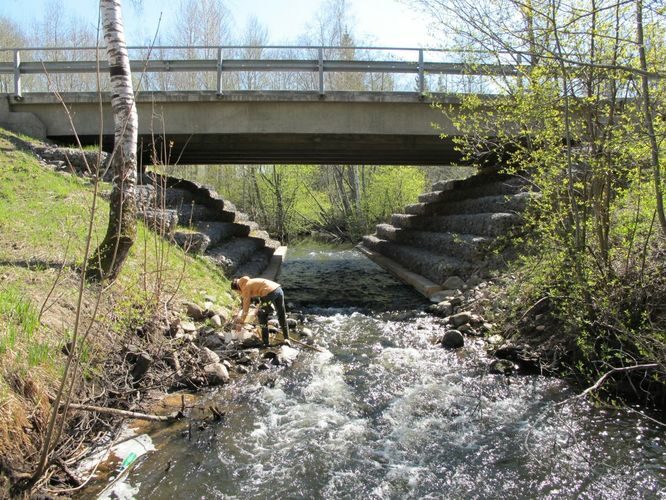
point(39, 264)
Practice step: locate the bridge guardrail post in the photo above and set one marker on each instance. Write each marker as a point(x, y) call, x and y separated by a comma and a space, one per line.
point(17, 73)
point(421, 74)
point(219, 71)
point(321, 70)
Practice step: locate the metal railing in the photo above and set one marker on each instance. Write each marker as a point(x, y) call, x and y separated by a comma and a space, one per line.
point(218, 61)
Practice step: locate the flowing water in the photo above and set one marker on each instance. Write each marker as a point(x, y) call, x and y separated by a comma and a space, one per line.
point(383, 412)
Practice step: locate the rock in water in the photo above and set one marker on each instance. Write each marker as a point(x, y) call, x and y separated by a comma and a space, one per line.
point(216, 373)
point(461, 318)
point(453, 339)
point(502, 367)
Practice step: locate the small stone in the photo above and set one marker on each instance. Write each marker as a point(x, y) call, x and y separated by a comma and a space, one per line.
point(502, 367)
point(454, 283)
point(216, 321)
point(188, 327)
point(242, 369)
point(213, 341)
point(540, 328)
point(251, 342)
point(209, 356)
point(462, 318)
point(306, 332)
point(495, 339)
point(186, 337)
point(216, 373)
point(194, 311)
point(443, 295)
point(467, 330)
point(476, 320)
point(443, 309)
point(292, 323)
point(486, 327)
point(475, 281)
point(453, 339)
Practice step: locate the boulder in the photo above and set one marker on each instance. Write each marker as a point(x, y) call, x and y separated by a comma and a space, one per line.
point(453, 339)
point(216, 374)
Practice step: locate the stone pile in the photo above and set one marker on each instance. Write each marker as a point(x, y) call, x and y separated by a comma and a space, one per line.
point(209, 352)
point(74, 161)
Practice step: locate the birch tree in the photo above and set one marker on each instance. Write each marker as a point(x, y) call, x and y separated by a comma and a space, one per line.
point(109, 257)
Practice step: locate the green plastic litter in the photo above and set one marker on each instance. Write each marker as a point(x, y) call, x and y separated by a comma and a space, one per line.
point(129, 460)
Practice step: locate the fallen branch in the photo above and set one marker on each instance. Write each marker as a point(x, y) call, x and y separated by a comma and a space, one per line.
point(606, 375)
point(128, 414)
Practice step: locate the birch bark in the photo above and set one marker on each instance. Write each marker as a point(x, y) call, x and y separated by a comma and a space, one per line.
point(109, 257)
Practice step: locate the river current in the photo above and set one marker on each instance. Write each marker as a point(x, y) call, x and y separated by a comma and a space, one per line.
point(383, 412)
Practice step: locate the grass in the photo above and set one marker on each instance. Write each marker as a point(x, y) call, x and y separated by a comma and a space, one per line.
point(44, 218)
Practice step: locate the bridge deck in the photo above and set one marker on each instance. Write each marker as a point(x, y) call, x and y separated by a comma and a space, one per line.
point(205, 127)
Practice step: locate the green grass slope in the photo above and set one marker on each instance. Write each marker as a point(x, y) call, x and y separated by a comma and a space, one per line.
point(44, 221)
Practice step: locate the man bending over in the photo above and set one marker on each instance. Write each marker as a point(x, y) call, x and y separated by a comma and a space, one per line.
point(270, 295)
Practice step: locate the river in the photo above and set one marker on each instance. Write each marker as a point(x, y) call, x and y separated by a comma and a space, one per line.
point(385, 413)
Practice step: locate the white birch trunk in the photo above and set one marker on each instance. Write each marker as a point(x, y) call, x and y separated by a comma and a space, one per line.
point(111, 254)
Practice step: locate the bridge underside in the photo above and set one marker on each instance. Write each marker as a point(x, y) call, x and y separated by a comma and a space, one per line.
point(203, 149)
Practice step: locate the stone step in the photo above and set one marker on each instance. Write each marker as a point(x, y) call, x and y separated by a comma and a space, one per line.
point(483, 224)
point(463, 246)
point(223, 231)
point(498, 203)
point(193, 214)
point(458, 190)
point(255, 265)
point(433, 266)
point(233, 253)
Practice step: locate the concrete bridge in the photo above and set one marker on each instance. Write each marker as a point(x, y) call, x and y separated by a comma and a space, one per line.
point(310, 124)
point(256, 127)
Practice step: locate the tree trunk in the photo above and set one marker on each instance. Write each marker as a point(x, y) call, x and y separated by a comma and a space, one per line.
point(649, 122)
point(109, 257)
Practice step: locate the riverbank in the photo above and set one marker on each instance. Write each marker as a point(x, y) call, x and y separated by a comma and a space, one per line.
point(117, 340)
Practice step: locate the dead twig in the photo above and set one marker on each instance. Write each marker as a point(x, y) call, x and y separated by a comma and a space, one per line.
point(624, 369)
point(127, 414)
